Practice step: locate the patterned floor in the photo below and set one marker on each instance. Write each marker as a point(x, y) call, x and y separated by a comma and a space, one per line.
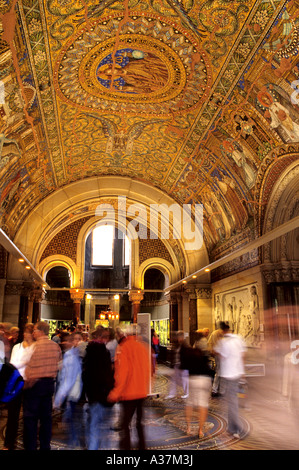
point(268, 423)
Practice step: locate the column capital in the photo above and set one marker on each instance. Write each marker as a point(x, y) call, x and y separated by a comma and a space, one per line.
point(37, 295)
point(191, 292)
point(77, 295)
point(136, 296)
point(203, 292)
point(173, 297)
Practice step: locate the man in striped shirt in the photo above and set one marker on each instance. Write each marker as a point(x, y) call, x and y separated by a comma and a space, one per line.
point(41, 373)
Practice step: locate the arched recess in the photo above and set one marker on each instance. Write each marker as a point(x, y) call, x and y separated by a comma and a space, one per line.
point(136, 276)
point(81, 243)
point(155, 263)
point(283, 205)
point(280, 261)
point(279, 161)
point(81, 199)
point(51, 262)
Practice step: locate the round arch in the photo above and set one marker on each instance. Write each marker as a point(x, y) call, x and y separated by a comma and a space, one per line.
point(156, 263)
point(283, 205)
point(52, 262)
point(81, 199)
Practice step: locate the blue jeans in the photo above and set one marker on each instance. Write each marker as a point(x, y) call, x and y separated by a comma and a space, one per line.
point(232, 400)
point(72, 417)
point(99, 423)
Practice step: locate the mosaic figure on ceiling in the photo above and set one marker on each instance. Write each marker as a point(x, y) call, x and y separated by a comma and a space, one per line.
point(133, 71)
point(279, 112)
point(13, 149)
point(237, 153)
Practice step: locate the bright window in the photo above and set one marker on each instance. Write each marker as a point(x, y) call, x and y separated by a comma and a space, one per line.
point(103, 244)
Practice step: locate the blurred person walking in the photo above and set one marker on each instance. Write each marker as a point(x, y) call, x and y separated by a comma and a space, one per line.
point(132, 383)
point(70, 389)
point(80, 343)
point(231, 349)
point(4, 336)
point(14, 336)
point(41, 373)
point(112, 344)
point(213, 340)
point(98, 381)
point(197, 361)
point(180, 376)
point(20, 356)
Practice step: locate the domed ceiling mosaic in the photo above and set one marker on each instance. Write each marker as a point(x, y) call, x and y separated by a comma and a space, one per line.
point(196, 98)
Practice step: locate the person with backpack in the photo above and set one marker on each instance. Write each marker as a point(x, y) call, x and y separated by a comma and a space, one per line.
point(20, 356)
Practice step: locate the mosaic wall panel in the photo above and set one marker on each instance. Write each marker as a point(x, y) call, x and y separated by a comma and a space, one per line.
point(65, 242)
point(153, 249)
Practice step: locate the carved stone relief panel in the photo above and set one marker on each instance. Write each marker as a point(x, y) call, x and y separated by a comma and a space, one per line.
point(240, 308)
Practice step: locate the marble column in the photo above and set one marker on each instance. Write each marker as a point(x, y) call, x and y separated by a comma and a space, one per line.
point(77, 296)
point(135, 296)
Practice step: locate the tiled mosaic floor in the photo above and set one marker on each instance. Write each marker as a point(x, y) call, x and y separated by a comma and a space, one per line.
point(268, 423)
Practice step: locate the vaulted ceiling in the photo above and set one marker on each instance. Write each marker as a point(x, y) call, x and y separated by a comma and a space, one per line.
point(192, 97)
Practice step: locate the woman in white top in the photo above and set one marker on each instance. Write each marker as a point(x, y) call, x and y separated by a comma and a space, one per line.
point(21, 352)
point(20, 356)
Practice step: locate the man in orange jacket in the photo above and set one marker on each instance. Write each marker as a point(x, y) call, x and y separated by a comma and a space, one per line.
point(132, 383)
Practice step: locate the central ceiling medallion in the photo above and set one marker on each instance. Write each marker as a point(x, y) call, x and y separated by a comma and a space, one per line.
point(146, 66)
point(136, 71)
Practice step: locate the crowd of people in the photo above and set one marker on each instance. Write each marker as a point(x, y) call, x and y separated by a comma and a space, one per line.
point(68, 372)
point(106, 376)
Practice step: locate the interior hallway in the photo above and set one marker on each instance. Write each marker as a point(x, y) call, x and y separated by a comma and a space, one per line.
point(269, 421)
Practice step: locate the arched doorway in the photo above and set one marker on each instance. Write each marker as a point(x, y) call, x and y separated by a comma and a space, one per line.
point(58, 308)
point(155, 303)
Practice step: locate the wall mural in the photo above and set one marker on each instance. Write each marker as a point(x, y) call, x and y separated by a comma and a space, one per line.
point(240, 308)
point(190, 97)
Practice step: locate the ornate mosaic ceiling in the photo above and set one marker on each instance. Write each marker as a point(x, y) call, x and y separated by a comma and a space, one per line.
point(193, 97)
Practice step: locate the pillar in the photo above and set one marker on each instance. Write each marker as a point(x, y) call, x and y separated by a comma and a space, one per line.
point(193, 325)
point(2, 293)
point(172, 299)
point(204, 307)
point(36, 296)
point(135, 296)
point(77, 296)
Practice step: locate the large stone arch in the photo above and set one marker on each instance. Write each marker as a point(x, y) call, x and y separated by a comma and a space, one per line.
point(283, 205)
point(80, 200)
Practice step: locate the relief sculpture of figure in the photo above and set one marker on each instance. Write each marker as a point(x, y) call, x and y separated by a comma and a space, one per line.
point(255, 314)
